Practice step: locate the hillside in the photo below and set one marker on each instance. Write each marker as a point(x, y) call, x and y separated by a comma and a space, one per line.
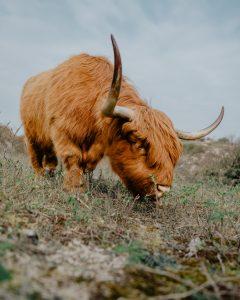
point(106, 245)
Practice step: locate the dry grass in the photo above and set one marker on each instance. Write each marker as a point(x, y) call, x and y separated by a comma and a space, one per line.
point(105, 245)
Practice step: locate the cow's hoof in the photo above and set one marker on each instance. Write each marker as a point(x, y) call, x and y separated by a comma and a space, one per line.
point(50, 172)
point(73, 190)
point(79, 187)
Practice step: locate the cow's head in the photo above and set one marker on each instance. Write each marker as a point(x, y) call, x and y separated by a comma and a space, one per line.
point(146, 147)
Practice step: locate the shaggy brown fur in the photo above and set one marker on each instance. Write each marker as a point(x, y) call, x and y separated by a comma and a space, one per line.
point(61, 114)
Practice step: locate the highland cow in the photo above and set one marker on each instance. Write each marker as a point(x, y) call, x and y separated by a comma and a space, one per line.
point(84, 109)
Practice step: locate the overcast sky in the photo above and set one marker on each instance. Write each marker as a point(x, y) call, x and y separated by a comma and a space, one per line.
point(182, 56)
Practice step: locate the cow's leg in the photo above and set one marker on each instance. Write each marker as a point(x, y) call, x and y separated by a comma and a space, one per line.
point(36, 156)
point(50, 161)
point(74, 178)
point(71, 156)
point(94, 155)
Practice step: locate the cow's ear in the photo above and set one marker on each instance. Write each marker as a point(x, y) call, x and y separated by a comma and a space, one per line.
point(138, 142)
point(131, 132)
point(134, 136)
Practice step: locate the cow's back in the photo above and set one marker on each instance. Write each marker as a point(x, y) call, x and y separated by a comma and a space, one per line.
point(69, 98)
point(77, 90)
point(33, 106)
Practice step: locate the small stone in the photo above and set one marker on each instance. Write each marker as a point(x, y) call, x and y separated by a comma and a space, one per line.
point(194, 246)
point(31, 235)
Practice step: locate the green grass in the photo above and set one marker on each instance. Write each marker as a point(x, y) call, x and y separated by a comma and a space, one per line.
point(152, 243)
point(193, 148)
point(5, 275)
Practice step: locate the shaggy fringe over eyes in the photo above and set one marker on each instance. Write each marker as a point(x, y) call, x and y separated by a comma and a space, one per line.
point(156, 132)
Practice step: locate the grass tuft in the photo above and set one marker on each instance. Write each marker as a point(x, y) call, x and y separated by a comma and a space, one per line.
point(105, 245)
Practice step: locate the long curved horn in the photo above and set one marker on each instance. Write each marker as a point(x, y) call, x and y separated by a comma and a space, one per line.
point(109, 108)
point(197, 135)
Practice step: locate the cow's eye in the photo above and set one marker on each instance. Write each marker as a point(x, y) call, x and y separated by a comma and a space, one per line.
point(142, 151)
point(139, 146)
